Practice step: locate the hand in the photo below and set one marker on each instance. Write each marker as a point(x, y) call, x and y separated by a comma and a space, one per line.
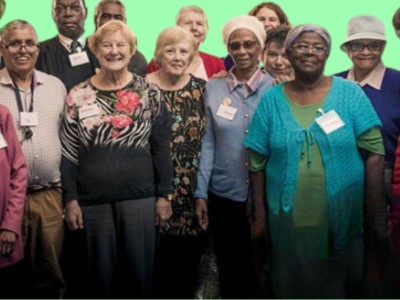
point(163, 211)
point(220, 74)
point(258, 230)
point(282, 78)
point(7, 242)
point(73, 215)
point(201, 212)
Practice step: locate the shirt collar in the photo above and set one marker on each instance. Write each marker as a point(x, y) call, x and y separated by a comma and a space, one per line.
point(5, 78)
point(252, 84)
point(373, 79)
point(66, 41)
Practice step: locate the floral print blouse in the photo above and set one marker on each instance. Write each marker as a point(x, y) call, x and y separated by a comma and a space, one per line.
point(115, 144)
point(188, 125)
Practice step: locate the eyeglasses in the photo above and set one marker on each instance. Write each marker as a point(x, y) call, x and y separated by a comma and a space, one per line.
point(27, 133)
point(358, 47)
point(304, 48)
point(248, 45)
point(75, 8)
point(17, 45)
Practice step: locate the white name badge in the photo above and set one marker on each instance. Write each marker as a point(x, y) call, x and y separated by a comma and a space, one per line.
point(226, 112)
point(78, 59)
point(29, 118)
point(329, 121)
point(3, 142)
point(88, 111)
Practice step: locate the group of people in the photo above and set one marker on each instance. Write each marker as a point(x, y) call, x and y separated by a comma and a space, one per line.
point(116, 174)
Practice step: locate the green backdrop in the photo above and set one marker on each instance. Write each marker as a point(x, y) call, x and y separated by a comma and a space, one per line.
point(148, 17)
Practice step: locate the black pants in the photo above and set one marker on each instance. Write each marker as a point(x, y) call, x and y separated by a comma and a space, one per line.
point(230, 229)
point(177, 266)
point(13, 282)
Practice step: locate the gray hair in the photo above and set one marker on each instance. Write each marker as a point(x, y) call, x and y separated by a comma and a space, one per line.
point(191, 9)
point(299, 30)
point(15, 24)
point(100, 4)
point(112, 26)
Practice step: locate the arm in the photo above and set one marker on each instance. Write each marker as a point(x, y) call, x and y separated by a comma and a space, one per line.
point(259, 209)
point(257, 164)
point(162, 162)
point(205, 168)
point(69, 166)
point(10, 227)
point(375, 206)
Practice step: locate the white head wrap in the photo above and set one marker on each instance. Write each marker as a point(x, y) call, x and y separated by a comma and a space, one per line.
point(244, 22)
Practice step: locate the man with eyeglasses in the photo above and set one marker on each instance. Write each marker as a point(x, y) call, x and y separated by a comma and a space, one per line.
point(364, 44)
point(67, 56)
point(36, 102)
point(107, 10)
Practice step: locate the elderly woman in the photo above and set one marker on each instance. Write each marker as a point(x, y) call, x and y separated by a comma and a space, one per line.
point(12, 200)
point(270, 15)
point(116, 164)
point(182, 240)
point(203, 65)
point(223, 178)
point(364, 44)
point(274, 55)
point(314, 193)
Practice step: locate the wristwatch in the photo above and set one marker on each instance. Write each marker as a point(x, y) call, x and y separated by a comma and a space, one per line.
point(168, 196)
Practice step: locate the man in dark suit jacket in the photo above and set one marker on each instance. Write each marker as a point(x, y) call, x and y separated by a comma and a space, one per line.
point(67, 55)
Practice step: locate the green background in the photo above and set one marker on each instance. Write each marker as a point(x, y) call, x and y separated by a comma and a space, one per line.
point(148, 17)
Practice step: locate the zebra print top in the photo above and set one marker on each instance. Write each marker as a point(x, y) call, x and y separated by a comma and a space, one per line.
point(115, 144)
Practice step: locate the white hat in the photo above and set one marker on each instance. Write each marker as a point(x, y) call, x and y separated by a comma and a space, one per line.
point(364, 27)
point(244, 22)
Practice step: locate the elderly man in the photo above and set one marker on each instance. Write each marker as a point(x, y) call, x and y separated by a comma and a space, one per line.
point(36, 101)
point(67, 56)
point(107, 10)
point(364, 44)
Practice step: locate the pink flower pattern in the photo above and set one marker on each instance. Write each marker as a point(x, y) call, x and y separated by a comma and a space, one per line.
point(128, 101)
point(119, 122)
point(125, 103)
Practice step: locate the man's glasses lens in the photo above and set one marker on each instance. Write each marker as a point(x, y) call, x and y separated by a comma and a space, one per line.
point(16, 46)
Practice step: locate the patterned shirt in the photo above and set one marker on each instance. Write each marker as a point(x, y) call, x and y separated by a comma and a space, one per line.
point(43, 150)
point(115, 144)
point(188, 127)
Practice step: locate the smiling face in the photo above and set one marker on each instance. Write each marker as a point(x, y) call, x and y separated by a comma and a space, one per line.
point(113, 51)
point(245, 49)
point(308, 54)
point(175, 58)
point(268, 17)
point(196, 23)
point(20, 61)
point(367, 54)
point(69, 16)
point(275, 60)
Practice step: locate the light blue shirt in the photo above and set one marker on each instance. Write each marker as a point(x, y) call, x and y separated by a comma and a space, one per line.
point(224, 159)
